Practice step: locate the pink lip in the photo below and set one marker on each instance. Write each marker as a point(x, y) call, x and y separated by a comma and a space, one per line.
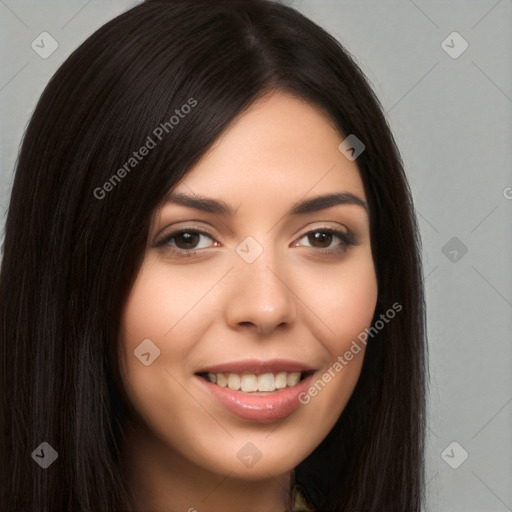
point(264, 408)
point(258, 366)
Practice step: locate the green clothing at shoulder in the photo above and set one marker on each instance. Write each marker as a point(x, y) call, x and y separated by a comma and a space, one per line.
point(299, 500)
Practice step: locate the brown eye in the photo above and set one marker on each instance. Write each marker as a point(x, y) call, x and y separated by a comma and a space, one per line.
point(320, 239)
point(187, 239)
point(323, 239)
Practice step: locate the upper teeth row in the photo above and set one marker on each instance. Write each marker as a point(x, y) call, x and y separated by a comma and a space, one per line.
point(249, 382)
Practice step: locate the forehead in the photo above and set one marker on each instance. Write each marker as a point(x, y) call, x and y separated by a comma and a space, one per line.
point(280, 148)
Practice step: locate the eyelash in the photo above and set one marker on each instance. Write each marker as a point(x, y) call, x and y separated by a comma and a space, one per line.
point(347, 240)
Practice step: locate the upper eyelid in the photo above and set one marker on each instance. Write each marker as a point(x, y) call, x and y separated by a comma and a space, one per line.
point(357, 220)
point(173, 233)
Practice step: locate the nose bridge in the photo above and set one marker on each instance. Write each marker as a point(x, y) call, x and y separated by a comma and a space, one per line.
point(261, 295)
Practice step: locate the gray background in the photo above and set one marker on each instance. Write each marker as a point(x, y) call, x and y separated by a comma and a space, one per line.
point(451, 118)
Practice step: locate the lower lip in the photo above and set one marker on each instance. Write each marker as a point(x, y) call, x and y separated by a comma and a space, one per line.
point(274, 406)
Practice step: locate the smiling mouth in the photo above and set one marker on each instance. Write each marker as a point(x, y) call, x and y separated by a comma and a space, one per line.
point(253, 383)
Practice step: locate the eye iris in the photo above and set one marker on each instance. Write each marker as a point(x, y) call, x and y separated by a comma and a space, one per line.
point(320, 236)
point(191, 239)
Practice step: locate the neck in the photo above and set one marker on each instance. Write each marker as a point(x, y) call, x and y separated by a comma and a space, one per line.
point(162, 480)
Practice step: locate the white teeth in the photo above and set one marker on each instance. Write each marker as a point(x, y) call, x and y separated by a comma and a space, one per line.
point(292, 378)
point(233, 381)
point(266, 382)
point(250, 382)
point(280, 380)
point(221, 380)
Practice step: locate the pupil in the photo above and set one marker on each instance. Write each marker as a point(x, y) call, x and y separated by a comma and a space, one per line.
point(321, 236)
point(190, 239)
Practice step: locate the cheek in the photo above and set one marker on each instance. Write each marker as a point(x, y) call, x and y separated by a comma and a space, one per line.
point(344, 299)
point(173, 310)
point(155, 311)
point(344, 304)
point(159, 308)
point(357, 301)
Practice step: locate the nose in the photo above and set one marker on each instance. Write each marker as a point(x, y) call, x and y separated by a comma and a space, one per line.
point(260, 298)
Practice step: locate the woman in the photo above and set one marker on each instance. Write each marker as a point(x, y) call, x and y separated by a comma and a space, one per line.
point(211, 290)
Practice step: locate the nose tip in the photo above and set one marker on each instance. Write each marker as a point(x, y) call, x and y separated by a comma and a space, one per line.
point(260, 298)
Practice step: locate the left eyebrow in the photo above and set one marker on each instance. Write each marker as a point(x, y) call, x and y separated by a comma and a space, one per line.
point(312, 204)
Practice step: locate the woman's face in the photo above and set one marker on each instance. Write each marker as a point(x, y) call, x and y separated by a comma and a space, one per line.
point(254, 293)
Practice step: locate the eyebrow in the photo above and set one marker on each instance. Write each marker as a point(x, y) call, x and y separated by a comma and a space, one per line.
point(312, 204)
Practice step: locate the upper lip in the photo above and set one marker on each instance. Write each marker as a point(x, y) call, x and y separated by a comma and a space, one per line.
point(258, 366)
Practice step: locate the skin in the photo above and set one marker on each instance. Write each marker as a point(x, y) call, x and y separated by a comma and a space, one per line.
point(292, 302)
